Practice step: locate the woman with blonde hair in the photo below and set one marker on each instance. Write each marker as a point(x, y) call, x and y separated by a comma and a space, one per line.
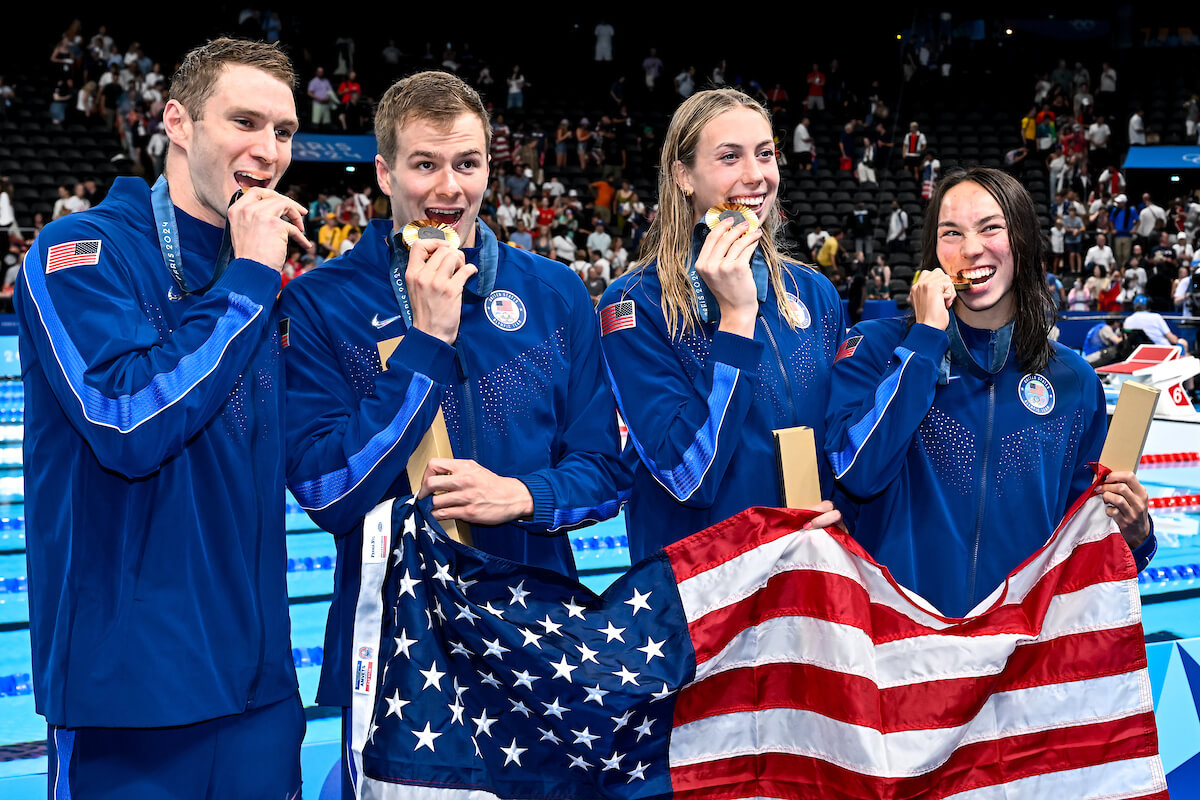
point(714, 339)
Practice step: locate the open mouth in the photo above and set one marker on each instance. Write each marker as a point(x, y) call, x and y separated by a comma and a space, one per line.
point(249, 180)
point(445, 216)
point(752, 202)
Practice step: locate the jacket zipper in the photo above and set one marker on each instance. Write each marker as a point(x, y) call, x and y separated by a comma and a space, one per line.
point(262, 622)
point(787, 384)
point(983, 477)
point(468, 402)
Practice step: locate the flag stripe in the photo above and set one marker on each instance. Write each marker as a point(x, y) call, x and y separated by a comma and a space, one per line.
point(718, 584)
point(906, 753)
point(807, 599)
point(971, 771)
point(857, 700)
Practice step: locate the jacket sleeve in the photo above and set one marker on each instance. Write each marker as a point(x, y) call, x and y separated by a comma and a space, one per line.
point(344, 450)
point(135, 391)
point(587, 482)
point(685, 429)
point(880, 393)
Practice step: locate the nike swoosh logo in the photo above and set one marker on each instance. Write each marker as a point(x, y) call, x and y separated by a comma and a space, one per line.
point(383, 323)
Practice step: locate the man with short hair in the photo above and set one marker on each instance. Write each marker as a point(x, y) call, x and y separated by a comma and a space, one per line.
point(1101, 255)
point(505, 342)
point(320, 91)
point(152, 372)
point(1123, 219)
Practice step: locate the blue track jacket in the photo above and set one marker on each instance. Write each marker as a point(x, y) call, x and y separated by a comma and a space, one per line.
point(523, 394)
point(153, 474)
point(701, 408)
point(964, 465)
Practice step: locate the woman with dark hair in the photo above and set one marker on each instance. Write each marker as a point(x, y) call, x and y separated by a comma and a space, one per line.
point(963, 433)
point(714, 339)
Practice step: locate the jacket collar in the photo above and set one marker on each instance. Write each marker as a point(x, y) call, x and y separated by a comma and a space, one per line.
point(958, 352)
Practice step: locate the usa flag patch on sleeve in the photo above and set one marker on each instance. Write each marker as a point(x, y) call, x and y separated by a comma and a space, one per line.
point(285, 332)
point(847, 348)
point(73, 254)
point(617, 317)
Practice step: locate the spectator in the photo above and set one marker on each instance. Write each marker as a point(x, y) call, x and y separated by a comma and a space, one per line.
point(802, 145)
point(516, 89)
point(1151, 220)
point(564, 246)
point(652, 66)
point(897, 235)
point(865, 169)
point(1152, 324)
point(816, 89)
point(914, 150)
point(931, 172)
point(815, 239)
point(685, 83)
point(1181, 290)
point(521, 237)
point(1079, 298)
point(830, 255)
point(878, 289)
point(320, 91)
point(1098, 281)
point(1137, 129)
point(1073, 240)
point(604, 40)
point(1124, 220)
point(583, 141)
point(350, 239)
point(599, 239)
point(1100, 255)
point(1058, 233)
point(861, 223)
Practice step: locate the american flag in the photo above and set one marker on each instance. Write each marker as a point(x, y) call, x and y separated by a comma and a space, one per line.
point(72, 254)
point(757, 659)
point(847, 348)
point(617, 317)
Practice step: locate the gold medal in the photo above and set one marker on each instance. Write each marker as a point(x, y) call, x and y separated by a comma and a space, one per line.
point(735, 211)
point(426, 229)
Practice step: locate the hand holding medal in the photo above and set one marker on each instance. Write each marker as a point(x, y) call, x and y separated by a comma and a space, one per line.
point(724, 264)
point(436, 273)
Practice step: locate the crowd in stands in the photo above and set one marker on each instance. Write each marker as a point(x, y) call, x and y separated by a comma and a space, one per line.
point(573, 178)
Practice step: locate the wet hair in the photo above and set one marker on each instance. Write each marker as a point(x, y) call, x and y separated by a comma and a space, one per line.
point(434, 96)
point(1034, 308)
point(196, 78)
point(669, 240)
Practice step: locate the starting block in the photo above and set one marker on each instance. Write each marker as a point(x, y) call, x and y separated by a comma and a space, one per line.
point(1161, 367)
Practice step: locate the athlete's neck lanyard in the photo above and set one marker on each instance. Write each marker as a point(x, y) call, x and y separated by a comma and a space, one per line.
point(705, 303)
point(399, 267)
point(168, 239)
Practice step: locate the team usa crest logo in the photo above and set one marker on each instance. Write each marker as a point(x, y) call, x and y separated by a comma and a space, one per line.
point(1036, 394)
point(800, 309)
point(505, 310)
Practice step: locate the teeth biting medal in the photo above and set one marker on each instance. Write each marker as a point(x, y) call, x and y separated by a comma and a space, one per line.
point(962, 284)
point(735, 211)
point(427, 229)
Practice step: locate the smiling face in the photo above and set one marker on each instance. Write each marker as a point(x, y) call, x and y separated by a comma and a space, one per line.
point(973, 243)
point(440, 174)
point(243, 138)
point(735, 163)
